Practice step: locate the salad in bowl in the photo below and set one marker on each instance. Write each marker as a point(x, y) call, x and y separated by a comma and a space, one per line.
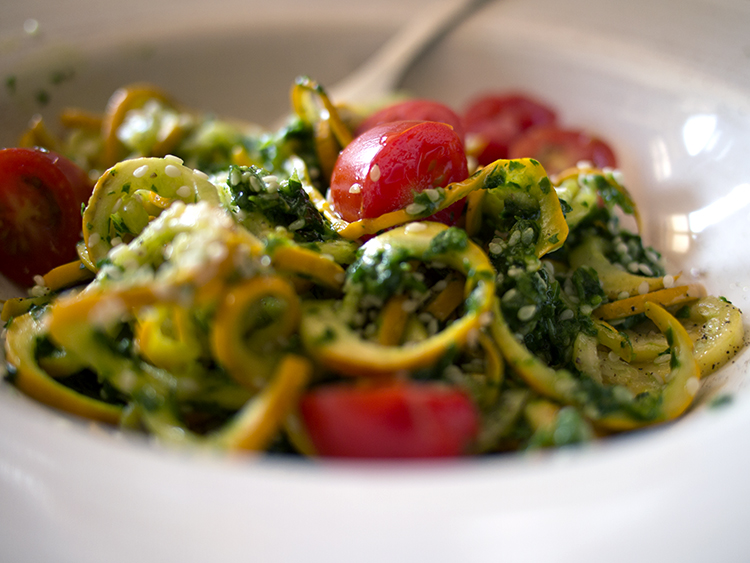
point(403, 281)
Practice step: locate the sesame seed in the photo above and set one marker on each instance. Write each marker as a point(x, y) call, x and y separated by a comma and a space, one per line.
point(415, 228)
point(296, 225)
point(510, 295)
point(692, 385)
point(643, 288)
point(272, 182)
point(38, 291)
point(409, 306)
point(495, 248)
point(94, 239)
point(424, 317)
point(200, 174)
point(183, 191)
point(174, 159)
point(623, 295)
point(355, 188)
point(528, 236)
point(38, 280)
point(235, 177)
point(526, 313)
point(645, 270)
point(633, 267)
point(141, 171)
point(116, 241)
point(622, 394)
point(453, 373)
point(514, 239)
point(440, 286)
point(566, 315)
point(415, 208)
point(432, 194)
point(668, 281)
point(172, 171)
point(375, 173)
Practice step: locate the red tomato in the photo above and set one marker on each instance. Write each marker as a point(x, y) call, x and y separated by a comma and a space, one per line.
point(414, 110)
point(40, 211)
point(393, 421)
point(558, 149)
point(498, 120)
point(382, 169)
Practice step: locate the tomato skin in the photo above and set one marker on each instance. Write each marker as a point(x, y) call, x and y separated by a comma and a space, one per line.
point(397, 420)
point(414, 110)
point(557, 149)
point(390, 162)
point(41, 194)
point(498, 120)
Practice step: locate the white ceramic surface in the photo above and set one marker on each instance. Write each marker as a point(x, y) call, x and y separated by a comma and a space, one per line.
point(668, 83)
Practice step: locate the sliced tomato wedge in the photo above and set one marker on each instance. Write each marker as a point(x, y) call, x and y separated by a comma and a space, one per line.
point(414, 110)
point(398, 420)
point(557, 149)
point(496, 120)
point(41, 194)
point(382, 169)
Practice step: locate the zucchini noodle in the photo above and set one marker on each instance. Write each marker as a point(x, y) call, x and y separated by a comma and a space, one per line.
point(218, 288)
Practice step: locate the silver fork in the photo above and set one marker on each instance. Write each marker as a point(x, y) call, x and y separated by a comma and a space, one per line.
point(382, 72)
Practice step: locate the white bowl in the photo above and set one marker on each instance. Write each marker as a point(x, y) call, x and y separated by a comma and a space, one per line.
point(668, 83)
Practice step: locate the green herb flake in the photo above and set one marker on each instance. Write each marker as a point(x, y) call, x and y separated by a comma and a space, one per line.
point(326, 337)
point(545, 185)
point(451, 240)
point(60, 76)
point(42, 97)
point(11, 83)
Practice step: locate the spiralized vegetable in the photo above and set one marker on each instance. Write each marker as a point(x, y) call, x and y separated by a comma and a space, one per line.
point(217, 286)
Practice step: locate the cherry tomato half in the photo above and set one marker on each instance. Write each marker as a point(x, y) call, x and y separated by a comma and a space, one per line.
point(40, 211)
point(397, 420)
point(557, 149)
point(414, 110)
point(382, 169)
point(497, 120)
